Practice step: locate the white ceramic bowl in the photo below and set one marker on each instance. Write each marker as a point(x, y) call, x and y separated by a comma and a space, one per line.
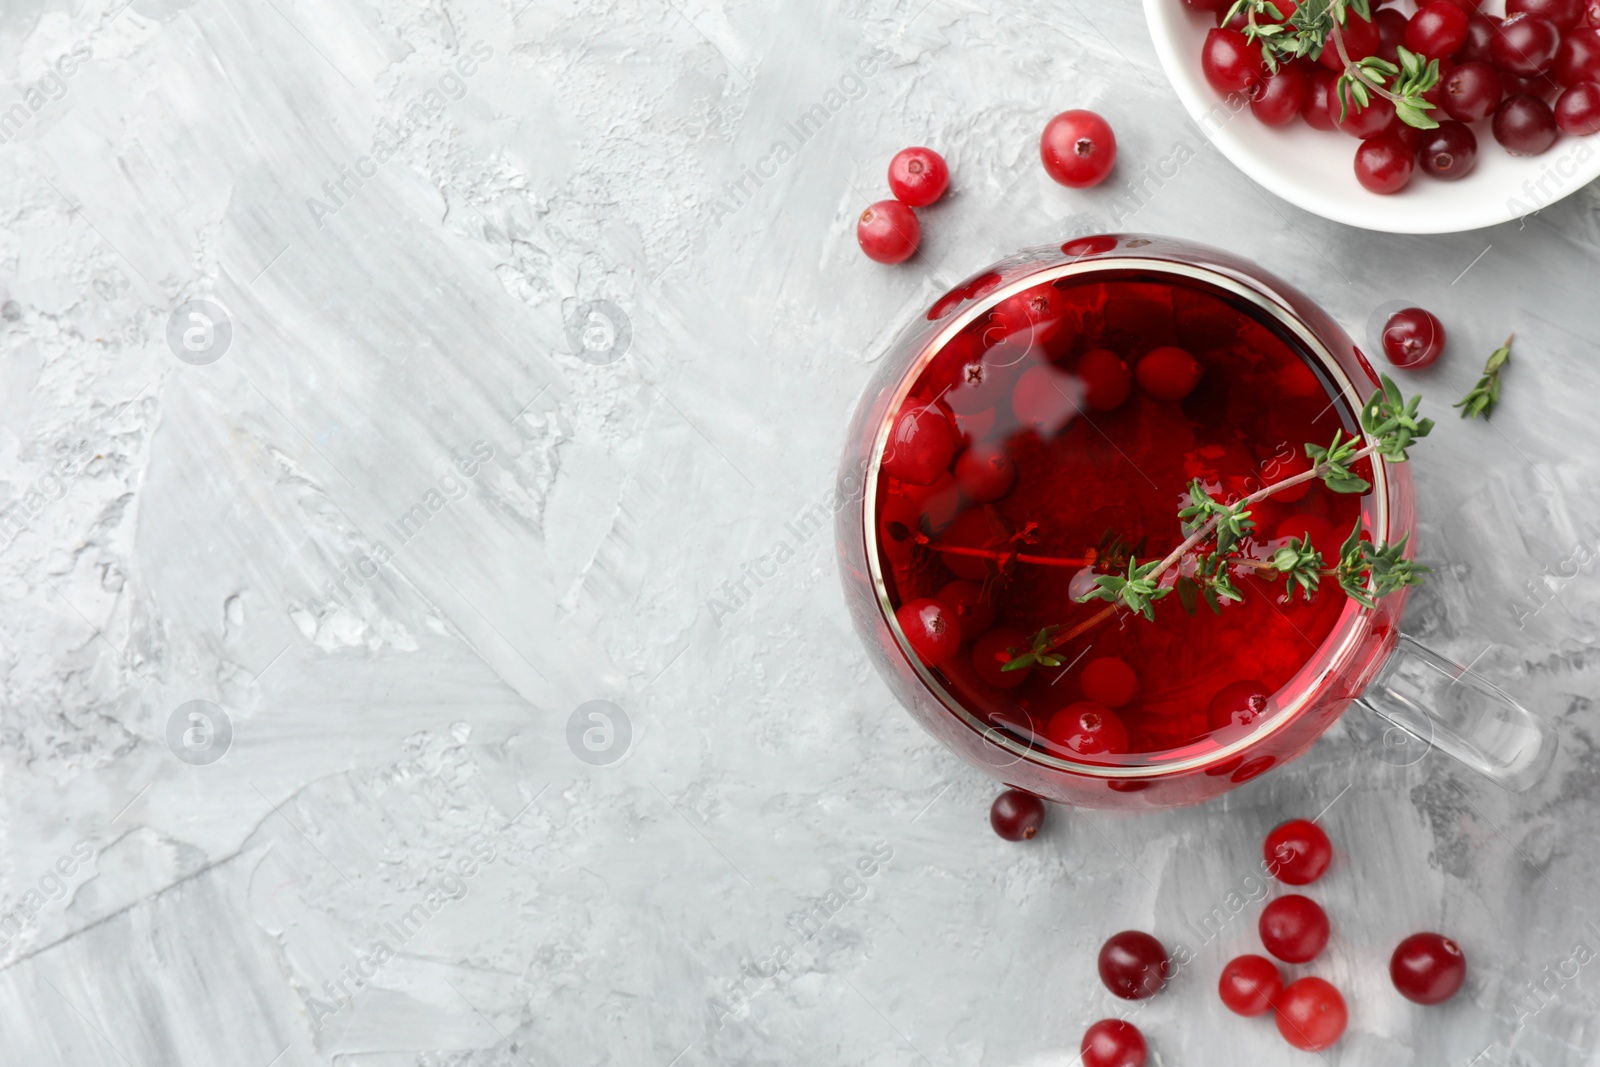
point(1315, 169)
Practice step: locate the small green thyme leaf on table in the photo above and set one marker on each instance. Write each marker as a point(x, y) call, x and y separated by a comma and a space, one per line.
point(1483, 397)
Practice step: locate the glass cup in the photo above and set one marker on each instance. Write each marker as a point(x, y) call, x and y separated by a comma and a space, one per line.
point(1425, 700)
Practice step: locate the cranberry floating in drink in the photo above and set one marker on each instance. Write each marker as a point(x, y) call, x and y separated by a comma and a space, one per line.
point(1038, 603)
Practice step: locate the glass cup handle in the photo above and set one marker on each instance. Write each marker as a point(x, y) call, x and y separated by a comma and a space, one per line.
point(1446, 706)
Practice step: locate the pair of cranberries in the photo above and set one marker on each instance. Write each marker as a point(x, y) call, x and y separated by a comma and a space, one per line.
point(1501, 70)
point(888, 231)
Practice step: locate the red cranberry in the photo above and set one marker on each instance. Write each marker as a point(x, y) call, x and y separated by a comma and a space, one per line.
point(1385, 164)
point(1249, 985)
point(1109, 681)
point(1364, 122)
point(1241, 704)
point(1449, 152)
point(1524, 125)
point(1480, 32)
point(1016, 815)
point(1413, 338)
point(985, 473)
point(1078, 149)
point(1472, 92)
point(1525, 44)
point(1591, 14)
point(1578, 58)
point(1391, 33)
point(1564, 13)
point(1133, 965)
point(1428, 968)
point(1231, 62)
point(1294, 928)
point(1087, 729)
point(931, 628)
point(1106, 380)
point(1168, 373)
point(1297, 851)
point(1540, 85)
point(974, 612)
point(1361, 39)
point(915, 451)
point(921, 444)
point(1040, 310)
point(918, 176)
point(972, 385)
point(1321, 109)
point(1113, 1043)
point(936, 503)
point(1311, 1014)
point(1210, 7)
point(992, 651)
point(888, 232)
point(1437, 29)
point(1578, 109)
point(1277, 100)
point(1045, 400)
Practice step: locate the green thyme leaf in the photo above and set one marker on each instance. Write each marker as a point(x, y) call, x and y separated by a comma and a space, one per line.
point(1483, 396)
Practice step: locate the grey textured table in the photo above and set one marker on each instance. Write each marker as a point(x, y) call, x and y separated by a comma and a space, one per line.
point(395, 526)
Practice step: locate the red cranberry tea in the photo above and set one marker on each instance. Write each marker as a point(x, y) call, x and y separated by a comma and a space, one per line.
point(1059, 433)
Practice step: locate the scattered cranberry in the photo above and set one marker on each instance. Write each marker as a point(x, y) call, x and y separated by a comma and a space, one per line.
point(1299, 851)
point(1078, 149)
point(1294, 928)
point(1413, 338)
point(1321, 110)
point(1361, 39)
point(1240, 704)
point(1449, 152)
point(1113, 1043)
point(991, 653)
point(1525, 44)
point(921, 444)
point(1524, 125)
point(1311, 1014)
point(1276, 101)
point(1087, 729)
point(1578, 109)
point(1249, 985)
point(1471, 92)
point(1109, 681)
point(888, 232)
point(1437, 30)
point(1480, 32)
point(1105, 379)
point(1385, 164)
point(1428, 968)
point(1564, 13)
point(1016, 815)
point(1578, 58)
point(1231, 62)
point(1168, 373)
point(1133, 965)
point(918, 176)
point(985, 472)
point(1365, 122)
point(932, 629)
